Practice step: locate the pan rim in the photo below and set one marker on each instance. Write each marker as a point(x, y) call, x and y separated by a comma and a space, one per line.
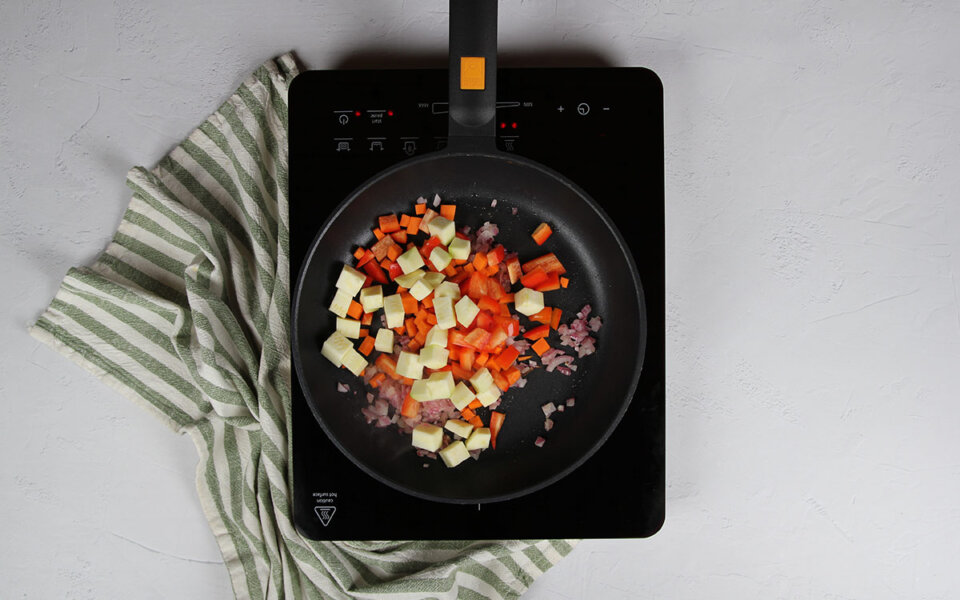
point(524, 162)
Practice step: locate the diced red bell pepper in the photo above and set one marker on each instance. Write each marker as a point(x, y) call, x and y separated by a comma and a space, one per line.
point(514, 270)
point(399, 237)
point(496, 422)
point(552, 283)
point(543, 316)
point(375, 272)
point(537, 332)
point(466, 358)
point(477, 286)
point(489, 304)
point(410, 408)
point(484, 320)
point(477, 338)
point(497, 337)
point(494, 289)
point(395, 270)
point(456, 338)
point(547, 262)
point(429, 245)
point(507, 356)
point(367, 257)
point(534, 278)
point(509, 324)
point(495, 256)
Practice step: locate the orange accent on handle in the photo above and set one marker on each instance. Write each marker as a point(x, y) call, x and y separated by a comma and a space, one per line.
point(472, 70)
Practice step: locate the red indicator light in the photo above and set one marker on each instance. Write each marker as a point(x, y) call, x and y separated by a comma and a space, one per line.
point(357, 114)
point(503, 125)
point(514, 125)
point(389, 113)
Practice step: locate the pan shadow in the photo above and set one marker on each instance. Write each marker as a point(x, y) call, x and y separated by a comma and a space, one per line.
point(387, 57)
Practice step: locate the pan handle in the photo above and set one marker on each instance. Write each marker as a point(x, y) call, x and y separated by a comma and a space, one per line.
point(473, 75)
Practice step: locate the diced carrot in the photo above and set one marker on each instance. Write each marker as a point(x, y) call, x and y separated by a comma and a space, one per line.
point(420, 209)
point(450, 270)
point(364, 332)
point(476, 421)
point(507, 356)
point(428, 301)
point(548, 262)
point(469, 268)
point(421, 338)
point(399, 237)
point(380, 234)
point(543, 316)
point(358, 253)
point(386, 364)
point(524, 357)
point(512, 374)
point(411, 326)
point(460, 276)
point(413, 346)
point(453, 354)
point(409, 303)
point(404, 220)
point(534, 278)
point(366, 346)
point(459, 261)
point(504, 310)
point(480, 261)
point(541, 233)
point(456, 338)
point(552, 283)
point(474, 404)
point(541, 346)
point(366, 319)
point(481, 360)
point(467, 356)
point(493, 259)
point(355, 310)
point(459, 372)
point(410, 408)
point(500, 380)
point(555, 318)
point(406, 381)
point(413, 226)
point(447, 211)
point(467, 413)
point(537, 332)
point(513, 270)
point(506, 298)
point(488, 303)
point(368, 255)
point(496, 422)
point(432, 319)
point(393, 252)
point(491, 270)
point(564, 282)
point(377, 379)
point(386, 262)
point(389, 223)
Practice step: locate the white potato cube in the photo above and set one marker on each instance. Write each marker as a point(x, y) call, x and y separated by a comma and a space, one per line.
point(437, 336)
point(441, 385)
point(410, 260)
point(354, 362)
point(440, 258)
point(459, 249)
point(443, 228)
point(433, 279)
point(458, 427)
point(341, 303)
point(348, 327)
point(443, 307)
point(454, 454)
point(335, 347)
point(427, 437)
point(466, 311)
point(481, 380)
point(384, 341)
point(489, 395)
point(408, 365)
point(419, 391)
point(528, 302)
point(350, 280)
point(479, 439)
point(446, 289)
point(462, 396)
point(434, 357)
point(371, 298)
point(410, 278)
point(393, 308)
point(421, 289)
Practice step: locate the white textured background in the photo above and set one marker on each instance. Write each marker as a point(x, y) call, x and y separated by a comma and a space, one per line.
point(812, 179)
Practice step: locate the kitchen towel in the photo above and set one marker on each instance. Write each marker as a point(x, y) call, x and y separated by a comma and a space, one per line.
point(187, 312)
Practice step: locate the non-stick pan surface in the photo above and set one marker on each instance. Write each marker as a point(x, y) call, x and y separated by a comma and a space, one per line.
point(602, 274)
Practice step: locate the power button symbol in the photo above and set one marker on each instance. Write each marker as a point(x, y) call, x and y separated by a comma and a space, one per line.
point(583, 108)
point(343, 119)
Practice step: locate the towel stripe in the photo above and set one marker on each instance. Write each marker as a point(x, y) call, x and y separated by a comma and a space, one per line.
point(187, 312)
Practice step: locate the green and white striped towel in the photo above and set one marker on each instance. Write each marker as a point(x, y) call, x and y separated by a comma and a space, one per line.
point(187, 313)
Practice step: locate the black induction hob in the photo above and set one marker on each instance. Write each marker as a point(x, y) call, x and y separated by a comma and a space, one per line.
point(602, 128)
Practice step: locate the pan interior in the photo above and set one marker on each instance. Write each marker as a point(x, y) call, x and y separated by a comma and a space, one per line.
point(602, 275)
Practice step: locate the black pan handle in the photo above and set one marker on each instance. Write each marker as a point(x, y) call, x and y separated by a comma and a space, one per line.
point(473, 75)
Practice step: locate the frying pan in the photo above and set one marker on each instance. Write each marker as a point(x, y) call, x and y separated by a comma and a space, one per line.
point(471, 172)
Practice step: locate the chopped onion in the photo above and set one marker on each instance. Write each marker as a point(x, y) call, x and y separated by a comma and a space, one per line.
point(493, 203)
point(342, 388)
point(548, 409)
point(436, 200)
point(548, 424)
point(539, 441)
point(570, 401)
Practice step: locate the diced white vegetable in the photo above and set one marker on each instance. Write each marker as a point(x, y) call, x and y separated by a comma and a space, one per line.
point(410, 260)
point(348, 327)
point(335, 347)
point(410, 278)
point(393, 308)
point(454, 454)
point(354, 362)
point(434, 279)
point(443, 307)
point(408, 365)
point(462, 396)
point(384, 340)
point(466, 311)
point(459, 249)
point(427, 437)
point(461, 428)
point(419, 391)
point(340, 303)
point(440, 384)
point(443, 228)
point(489, 395)
point(528, 302)
point(481, 380)
point(479, 439)
point(446, 289)
point(436, 337)
point(371, 298)
point(350, 280)
point(434, 357)
point(440, 258)
point(421, 289)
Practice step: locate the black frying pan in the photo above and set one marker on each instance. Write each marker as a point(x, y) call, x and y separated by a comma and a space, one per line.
point(471, 172)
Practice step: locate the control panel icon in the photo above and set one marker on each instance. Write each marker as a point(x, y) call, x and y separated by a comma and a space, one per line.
point(583, 108)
